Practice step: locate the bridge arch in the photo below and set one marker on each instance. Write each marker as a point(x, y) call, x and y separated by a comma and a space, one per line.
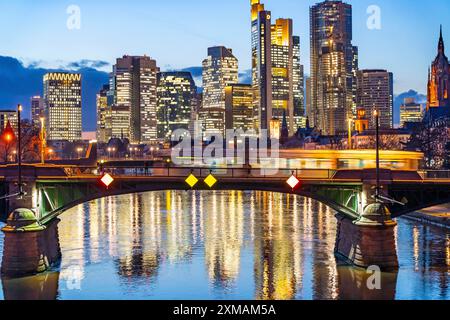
point(57, 197)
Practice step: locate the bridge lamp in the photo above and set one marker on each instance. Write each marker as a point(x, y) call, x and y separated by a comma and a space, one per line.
point(107, 180)
point(293, 182)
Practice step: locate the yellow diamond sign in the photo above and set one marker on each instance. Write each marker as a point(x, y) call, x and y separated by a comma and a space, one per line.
point(210, 181)
point(191, 180)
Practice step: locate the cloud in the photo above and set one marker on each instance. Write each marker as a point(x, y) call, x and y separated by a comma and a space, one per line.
point(82, 64)
point(18, 83)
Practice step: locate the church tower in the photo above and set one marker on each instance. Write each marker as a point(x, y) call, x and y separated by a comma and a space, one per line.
point(439, 79)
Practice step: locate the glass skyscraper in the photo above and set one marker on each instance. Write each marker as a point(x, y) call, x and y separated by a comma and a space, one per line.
point(333, 66)
point(177, 99)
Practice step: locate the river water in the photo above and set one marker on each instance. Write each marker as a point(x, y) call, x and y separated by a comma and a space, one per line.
point(224, 245)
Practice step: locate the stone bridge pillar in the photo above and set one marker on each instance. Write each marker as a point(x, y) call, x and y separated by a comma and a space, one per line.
point(29, 246)
point(370, 240)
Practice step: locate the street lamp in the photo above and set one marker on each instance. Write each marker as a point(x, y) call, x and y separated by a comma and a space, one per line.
point(19, 149)
point(350, 143)
point(79, 152)
point(43, 140)
point(377, 126)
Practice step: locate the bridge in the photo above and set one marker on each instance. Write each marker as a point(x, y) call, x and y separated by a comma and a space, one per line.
point(365, 234)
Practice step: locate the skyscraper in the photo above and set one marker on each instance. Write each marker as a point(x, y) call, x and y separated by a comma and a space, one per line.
point(177, 99)
point(220, 69)
point(261, 65)
point(37, 110)
point(439, 79)
point(376, 92)
point(282, 57)
point(62, 105)
point(239, 107)
point(298, 87)
point(333, 64)
point(103, 115)
point(133, 85)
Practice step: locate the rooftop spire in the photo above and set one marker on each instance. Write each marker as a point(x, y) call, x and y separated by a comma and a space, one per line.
point(441, 47)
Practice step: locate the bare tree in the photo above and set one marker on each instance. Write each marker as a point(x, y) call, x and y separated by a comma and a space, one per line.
point(433, 140)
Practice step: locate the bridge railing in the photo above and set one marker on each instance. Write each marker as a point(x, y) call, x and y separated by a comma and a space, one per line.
point(181, 172)
point(435, 174)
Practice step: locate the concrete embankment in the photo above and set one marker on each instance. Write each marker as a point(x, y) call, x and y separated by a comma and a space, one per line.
point(438, 216)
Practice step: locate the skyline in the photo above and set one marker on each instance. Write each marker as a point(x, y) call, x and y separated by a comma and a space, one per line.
point(410, 51)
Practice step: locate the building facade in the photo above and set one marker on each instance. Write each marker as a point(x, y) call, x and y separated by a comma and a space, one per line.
point(376, 92)
point(239, 108)
point(62, 106)
point(333, 65)
point(103, 116)
point(410, 111)
point(37, 110)
point(220, 69)
point(133, 85)
point(10, 116)
point(177, 100)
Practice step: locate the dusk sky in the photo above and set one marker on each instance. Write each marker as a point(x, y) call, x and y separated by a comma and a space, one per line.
point(177, 33)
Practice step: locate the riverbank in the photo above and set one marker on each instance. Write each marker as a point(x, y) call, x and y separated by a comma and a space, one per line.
point(438, 216)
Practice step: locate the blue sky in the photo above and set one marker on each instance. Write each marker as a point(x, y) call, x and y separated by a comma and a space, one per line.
point(177, 32)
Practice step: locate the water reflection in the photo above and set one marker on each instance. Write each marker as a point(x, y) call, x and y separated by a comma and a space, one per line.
point(224, 245)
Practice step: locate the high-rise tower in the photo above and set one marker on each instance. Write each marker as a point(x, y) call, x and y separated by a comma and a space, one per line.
point(261, 65)
point(376, 92)
point(220, 69)
point(62, 105)
point(177, 100)
point(333, 64)
point(133, 85)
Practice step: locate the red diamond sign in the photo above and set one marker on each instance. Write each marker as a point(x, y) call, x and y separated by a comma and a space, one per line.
point(293, 182)
point(107, 180)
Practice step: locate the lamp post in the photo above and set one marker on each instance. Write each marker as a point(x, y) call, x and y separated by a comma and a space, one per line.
point(377, 125)
point(350, 143)
point(19, 149)
point(43, 140)
point(79, 152)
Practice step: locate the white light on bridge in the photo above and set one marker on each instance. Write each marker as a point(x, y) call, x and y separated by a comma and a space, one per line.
point(293, 182)
point(107, 180)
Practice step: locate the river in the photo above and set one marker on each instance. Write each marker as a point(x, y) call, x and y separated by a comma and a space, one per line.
point(224, 245)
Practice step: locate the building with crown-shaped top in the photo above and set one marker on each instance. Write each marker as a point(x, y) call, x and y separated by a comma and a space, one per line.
point(439, 79)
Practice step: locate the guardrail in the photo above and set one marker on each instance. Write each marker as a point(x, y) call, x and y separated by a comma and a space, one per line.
point(435, 174)
point(180, 172)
